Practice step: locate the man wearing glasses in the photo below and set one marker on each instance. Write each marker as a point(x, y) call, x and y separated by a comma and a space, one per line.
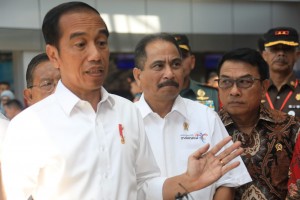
point(281, 53)
point(267, 136)
point(41, 79)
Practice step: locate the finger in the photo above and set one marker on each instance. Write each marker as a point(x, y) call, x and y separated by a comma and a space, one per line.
point(229, 150)
point(220, 145)
point(232, 155)
point(201, 151)
point(227, 168)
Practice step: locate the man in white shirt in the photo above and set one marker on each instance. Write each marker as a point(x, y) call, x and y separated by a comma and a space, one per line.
point(177, 126)
point(3, 126)
point(82, 142)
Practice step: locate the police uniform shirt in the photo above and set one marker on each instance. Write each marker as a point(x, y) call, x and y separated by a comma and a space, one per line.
point(287, 99)
point(204, 94)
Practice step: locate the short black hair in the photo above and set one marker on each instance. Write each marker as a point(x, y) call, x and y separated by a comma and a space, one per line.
point(50, 27)
point(35, 61)
point(4, 83)
point(249, 56)
point(140, 55)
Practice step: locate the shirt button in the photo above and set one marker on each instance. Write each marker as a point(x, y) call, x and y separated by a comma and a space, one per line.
point(278, 97)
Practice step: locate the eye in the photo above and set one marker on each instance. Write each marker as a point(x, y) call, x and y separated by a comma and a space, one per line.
point(46, 84)
point(245, 81)
point(80, 44)
point(225, 81)
point(177, 64)
point(157, 66)
point(102, 43)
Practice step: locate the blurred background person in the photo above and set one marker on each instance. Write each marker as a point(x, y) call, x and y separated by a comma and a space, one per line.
point(12, 108)
point(212, 80)
point(135, 90)
point(192, 89)
point(5, 96)
point(41, 79)
point(4, 85)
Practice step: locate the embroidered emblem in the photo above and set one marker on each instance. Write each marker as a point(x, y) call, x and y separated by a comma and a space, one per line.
point(185, 126)
point(202, 136)
point(278, 147)
point(297, 97)
point(292, 83)
point(196, 136)
point(121, 133)
point(201, 95)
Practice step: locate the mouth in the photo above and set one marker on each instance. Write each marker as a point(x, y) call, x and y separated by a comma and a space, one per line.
point(235, 103)
point(95, 71)
point(281, 61)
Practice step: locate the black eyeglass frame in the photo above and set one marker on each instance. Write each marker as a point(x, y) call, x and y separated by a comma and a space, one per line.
point(238, 82)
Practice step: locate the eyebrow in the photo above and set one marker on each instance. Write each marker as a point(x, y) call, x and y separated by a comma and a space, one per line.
point(103, 31)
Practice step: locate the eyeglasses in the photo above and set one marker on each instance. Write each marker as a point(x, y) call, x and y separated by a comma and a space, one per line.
point(47, 86)
point(245, 82)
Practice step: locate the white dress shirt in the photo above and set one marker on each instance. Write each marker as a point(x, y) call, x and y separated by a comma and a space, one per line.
point(61, 149)
point(3, 126)
point(181, 132)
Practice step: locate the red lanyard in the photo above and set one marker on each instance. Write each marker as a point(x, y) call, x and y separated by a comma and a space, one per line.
point(285, 100)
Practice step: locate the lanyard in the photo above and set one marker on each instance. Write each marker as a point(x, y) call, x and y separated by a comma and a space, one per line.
point(285, 100)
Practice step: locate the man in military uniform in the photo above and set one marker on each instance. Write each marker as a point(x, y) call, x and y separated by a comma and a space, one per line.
point(191, 89)
point(281, 53)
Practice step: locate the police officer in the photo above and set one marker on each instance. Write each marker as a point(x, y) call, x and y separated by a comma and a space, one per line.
point(281, 52)
point(191, 89)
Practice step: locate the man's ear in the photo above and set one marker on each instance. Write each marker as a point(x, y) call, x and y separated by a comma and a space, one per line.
point(264, 55)
point(193, 61)
point(53, 55)
point(136, 73)
point(28, 96)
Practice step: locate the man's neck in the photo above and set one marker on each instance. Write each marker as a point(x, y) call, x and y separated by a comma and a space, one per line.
point(246, 123)
point(162, 108)
point(279, 79)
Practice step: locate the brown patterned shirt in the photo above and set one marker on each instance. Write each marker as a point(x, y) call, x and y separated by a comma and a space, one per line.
point(268, 152)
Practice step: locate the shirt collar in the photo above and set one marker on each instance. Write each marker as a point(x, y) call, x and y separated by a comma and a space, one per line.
point(68, 100)
point(264, 114)
point(179, 106)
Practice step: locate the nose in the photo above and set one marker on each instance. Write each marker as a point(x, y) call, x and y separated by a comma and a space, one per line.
point(95, 53)
point(234, 90)
point(168, 73)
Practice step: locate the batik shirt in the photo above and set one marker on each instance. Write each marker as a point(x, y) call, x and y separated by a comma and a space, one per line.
point(267, 155)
